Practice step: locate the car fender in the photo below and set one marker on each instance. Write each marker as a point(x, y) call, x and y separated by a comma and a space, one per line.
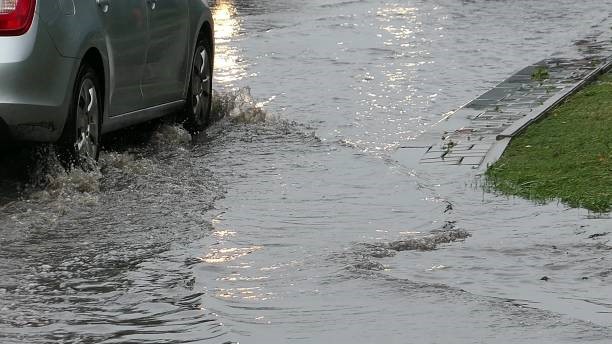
point(200, 15)
point(61, 17)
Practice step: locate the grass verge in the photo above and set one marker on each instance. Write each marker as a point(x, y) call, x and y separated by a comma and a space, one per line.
point(565, 156)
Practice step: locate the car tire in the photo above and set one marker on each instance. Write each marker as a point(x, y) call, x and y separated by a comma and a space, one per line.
point(199, 95)
point(80, 141)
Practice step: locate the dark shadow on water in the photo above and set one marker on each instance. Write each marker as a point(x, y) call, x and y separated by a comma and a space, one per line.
point(15, 163)
point(14, 160)
point(135, 136)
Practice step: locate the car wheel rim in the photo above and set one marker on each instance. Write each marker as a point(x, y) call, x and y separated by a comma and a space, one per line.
point(200, 82)
point(87, 121)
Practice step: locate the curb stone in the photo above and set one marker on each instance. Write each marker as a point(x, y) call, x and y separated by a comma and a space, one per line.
point(503, 139)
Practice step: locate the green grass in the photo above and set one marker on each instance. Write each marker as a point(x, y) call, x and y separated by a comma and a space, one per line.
point(540, 74)
point(565, 156)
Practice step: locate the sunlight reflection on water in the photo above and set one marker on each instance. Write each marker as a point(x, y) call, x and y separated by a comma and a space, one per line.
point(229, 60)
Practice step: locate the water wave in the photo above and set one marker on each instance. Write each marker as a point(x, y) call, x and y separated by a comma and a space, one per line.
point(363, 254)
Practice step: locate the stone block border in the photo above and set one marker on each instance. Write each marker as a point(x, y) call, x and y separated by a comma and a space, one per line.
point(503, 139)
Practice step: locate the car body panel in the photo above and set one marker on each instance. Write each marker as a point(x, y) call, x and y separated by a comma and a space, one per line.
point(34, 92)
point(126, 38)
point(145, 74)
point(142, 115)
point(167, 53)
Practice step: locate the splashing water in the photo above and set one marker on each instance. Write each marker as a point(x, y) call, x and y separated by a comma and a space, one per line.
point(124, 162)
point(240, 107)
point(48, 180)
point(45, 189)
point(49, 175)
point(170, 135)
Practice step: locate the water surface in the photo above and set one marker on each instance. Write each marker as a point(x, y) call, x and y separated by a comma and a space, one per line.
point(295, 218)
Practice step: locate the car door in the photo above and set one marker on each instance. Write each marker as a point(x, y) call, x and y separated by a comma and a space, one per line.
point(125, 27)
point(166, 66)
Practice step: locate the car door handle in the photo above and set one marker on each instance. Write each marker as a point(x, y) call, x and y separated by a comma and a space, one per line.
point(104, 5)
point(152, 4)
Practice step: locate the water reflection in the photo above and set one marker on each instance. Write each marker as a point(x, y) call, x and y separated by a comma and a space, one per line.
point(226, 23)
point(223, 255)
point(391, 90)
point(229, 61)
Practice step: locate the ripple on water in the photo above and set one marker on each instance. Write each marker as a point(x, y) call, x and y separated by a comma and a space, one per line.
point(92, 240)
point(361, 257)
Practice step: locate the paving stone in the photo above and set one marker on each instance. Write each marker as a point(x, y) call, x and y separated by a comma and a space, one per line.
point(481, 147)
point(496, 94)
point(476, 161)
point(464, 156)
point(453, 161)
point(510, 101)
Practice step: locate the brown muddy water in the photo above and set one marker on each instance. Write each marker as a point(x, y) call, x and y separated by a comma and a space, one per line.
point(293, 218)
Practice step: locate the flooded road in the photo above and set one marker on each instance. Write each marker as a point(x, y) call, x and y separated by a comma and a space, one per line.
point(295, 218)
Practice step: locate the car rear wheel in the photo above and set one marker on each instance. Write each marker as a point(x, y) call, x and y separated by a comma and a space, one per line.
point(80, 143)
point(199, 96)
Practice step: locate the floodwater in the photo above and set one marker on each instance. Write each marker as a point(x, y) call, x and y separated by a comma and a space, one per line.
point(295, 218)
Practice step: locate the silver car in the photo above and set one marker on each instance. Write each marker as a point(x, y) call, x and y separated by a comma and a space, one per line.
point(72, 70)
